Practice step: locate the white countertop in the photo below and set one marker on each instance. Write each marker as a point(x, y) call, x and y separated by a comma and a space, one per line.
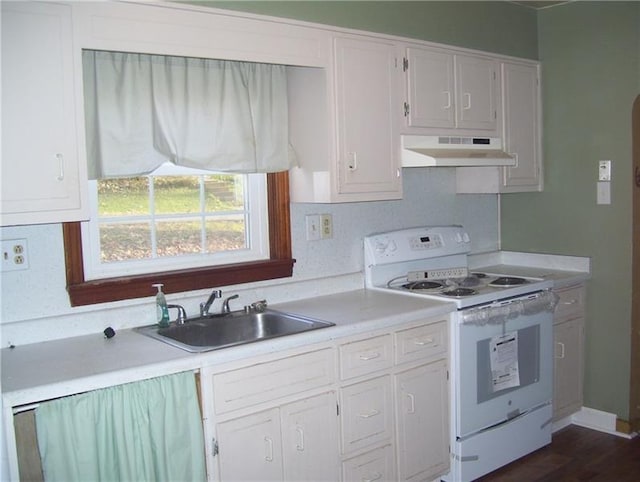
point(41, 371)
point(562, 270)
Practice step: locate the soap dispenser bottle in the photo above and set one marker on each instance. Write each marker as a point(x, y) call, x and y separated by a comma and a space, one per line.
point(161, 307)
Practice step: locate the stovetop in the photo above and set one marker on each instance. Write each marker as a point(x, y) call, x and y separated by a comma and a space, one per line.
point(475, 289)
point(432, 262)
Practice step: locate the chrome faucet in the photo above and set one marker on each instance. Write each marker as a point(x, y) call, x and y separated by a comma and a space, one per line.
point(182, 314)
point(225, 304)
point(204, 307)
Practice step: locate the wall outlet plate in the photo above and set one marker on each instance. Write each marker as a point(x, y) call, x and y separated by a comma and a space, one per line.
point(14, 255)
point(326, 226)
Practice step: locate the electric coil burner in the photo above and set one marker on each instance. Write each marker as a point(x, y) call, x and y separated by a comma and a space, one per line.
point(459, 292)
point(508, 281)
point(423, 286)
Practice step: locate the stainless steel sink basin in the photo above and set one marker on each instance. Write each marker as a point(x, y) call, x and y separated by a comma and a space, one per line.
point(237, 328)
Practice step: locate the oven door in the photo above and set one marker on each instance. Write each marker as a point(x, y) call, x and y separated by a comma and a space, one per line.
point(503, 361)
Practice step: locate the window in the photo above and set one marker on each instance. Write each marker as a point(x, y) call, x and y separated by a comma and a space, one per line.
point(173, 219)
point(143, 111)
point(278, 264)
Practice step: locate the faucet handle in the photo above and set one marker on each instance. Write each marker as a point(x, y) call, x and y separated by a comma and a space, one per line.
point(259, 306)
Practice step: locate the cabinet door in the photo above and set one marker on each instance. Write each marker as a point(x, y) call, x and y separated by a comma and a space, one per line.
point(310, 439)
point(374, 466)
point(567, 395)
point(521, 112)
point(476, 93)
point(367, 413)
point(422, 416)
point(430, 89)
point(250, 447)
point(367, 93)
point(41, 181)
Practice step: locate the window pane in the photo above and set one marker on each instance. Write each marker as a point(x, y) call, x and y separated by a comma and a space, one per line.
point(226, 234)
point(175, 238)
point(177, 194)
point(125, 242)
point(123, 197)
point(224, 192)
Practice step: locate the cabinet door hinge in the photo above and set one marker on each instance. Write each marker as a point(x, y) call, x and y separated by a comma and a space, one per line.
point(495, 114)
point(337, 410)
point(214, 447)
point(405, 64)
point(447, 374)
point(406, 109)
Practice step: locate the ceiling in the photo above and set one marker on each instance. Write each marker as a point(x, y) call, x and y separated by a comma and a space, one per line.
point(541, 4)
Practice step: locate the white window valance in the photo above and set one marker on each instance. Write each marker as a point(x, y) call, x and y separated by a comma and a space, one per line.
point(144, 110)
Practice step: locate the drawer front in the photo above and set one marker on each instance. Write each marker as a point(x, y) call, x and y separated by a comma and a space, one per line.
point(422, 342)
point(366, 356)
point(271, 380)
point(571, 303)
point(376, 465)
point(367, 416)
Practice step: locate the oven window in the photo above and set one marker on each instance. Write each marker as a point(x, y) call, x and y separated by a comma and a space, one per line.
point(528, 340)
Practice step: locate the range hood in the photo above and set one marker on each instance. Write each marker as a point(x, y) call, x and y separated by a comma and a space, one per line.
point(429, 151)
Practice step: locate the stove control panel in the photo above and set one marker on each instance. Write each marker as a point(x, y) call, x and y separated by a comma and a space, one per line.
point(416, 243)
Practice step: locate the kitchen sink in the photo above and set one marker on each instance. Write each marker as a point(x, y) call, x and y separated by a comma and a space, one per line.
point(237, 328)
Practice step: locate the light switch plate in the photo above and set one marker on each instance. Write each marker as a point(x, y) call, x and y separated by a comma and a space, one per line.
point(604, 170)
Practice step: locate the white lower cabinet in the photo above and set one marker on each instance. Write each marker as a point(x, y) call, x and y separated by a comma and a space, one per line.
point(250, 447)
point(367, 414)
point(568, 334)
point(310, 438)
point(372, 407)
point(422, 430)
point(294, 442)
point(394, 404)
point(372, 466)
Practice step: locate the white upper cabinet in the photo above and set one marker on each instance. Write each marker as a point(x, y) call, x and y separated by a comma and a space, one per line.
point(521, 93)
point(343, 124)
point(42, 178)
point(521, 114)
point(449, 92)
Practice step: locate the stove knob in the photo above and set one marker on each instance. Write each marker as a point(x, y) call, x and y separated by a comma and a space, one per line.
point(466, 238)
point(392, 246)
point(459, 237)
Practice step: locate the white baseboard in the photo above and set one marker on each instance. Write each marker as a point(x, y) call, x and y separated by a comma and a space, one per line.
point(593, 419)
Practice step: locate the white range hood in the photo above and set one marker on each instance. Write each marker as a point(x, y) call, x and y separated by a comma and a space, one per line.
point(454, 151)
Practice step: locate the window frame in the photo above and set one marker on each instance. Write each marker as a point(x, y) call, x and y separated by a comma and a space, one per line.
point(279, 265)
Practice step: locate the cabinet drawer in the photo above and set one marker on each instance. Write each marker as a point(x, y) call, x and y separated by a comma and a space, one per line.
point(571, 303)
point(421, 343)
point(366, 356)
point(366, 410)
point(271, 380)
point(376, 465)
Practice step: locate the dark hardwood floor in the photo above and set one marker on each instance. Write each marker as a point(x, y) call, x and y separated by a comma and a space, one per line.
point(576, 454)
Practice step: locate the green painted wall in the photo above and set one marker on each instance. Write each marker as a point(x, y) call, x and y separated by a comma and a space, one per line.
point(590, 53)
point(498, 27)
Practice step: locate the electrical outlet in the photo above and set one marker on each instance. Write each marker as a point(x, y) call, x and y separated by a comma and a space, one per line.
point(313, 226)
point(14, 255)
point(326, 226)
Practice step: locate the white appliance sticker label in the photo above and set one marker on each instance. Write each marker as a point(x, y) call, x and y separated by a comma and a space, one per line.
point(504, 361)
